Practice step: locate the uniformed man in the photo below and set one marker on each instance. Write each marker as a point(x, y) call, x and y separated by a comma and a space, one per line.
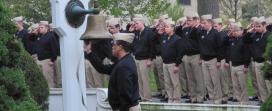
point(258, 43)
point(123, 84)
point(21, 32)
point(224, 70)
point(47, 52)
point(269, 24)
point(195, 78)
point(251, 30)
point(173, 49)
point(143, 47)
point(114, 26)
point(57, 63)
point(239, 61)
point(103, 48)
point(33, 33)
point(209, 46)
point(157, 66)
point(180, 25)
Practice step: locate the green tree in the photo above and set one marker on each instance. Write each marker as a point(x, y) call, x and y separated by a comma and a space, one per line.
point(22, 85)
point(256, 8)
point(175, 11)
point(32, 10)
point(127, 8)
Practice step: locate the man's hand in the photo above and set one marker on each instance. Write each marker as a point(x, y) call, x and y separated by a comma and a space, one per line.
point(148, 63)
point(245, 70)
point(175, 69)
point(50, 63)
point(87, 47)
point(226, 65)
point(218, 64)
point(200, 61)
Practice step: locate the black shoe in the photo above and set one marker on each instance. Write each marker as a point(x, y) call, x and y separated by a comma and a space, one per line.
point(254, 98)
point(224, 102)
point(230, 99)
point(207, 96)
point(157, 95)
point(164, 100)
point(185, 97)
point(235, 100)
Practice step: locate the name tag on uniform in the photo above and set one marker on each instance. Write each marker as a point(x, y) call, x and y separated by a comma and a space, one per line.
point(164, 41)
point(186, 33)
point(202, 37)
point(257, 39)
point(232, 44)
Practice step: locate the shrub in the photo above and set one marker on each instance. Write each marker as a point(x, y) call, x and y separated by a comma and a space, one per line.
point(22, 85)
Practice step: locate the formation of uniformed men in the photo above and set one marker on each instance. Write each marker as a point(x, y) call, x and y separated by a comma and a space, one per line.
point(198, 58)
point(42, 43)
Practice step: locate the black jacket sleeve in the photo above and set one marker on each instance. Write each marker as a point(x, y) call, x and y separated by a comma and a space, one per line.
point(125, 85)
point(98, 64)
point(180, 49)
point(54, 47)
point(247, 38)
point(152, 45)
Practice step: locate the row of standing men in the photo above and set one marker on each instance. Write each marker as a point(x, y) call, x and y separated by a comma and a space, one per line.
point(189, 58)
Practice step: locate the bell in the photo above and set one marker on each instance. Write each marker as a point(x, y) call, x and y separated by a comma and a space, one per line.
point(96, 28)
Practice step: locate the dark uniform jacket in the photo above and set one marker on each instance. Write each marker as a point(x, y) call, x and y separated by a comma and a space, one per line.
point(257, 43)
point(23, 36)
point(223, 51)
point(190, 35)
point(173, 49)
point(103, 48)
point(47, 47)
point(208, 44)
point(123, 84)
point(31, 47)
point(157, 42)
point(143, 45)
point(238, 52)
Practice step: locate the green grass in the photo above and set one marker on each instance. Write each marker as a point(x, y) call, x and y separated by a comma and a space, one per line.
point(250, 88)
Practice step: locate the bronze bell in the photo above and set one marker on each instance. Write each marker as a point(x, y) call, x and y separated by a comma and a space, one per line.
point(96, 28)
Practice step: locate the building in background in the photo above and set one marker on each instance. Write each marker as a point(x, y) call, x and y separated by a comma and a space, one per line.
point(188, 5)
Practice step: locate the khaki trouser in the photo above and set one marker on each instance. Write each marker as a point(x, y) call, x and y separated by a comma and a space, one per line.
point(158, 72)
point(254, 79)
point(263, 85)
point(172, 83)
point(225, 80)
point(93, 78)
point(105, 77)
point(143, 79)
point(195, 77)
point(134, 108)
point(57, 73)
point(212, 80)
point(239, 83)
point(47, 72)
point(183, 79)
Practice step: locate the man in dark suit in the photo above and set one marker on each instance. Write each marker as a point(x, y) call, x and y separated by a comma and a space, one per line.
point(123, 84)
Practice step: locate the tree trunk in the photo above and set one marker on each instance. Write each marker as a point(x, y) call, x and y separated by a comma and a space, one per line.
point(208, 7)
